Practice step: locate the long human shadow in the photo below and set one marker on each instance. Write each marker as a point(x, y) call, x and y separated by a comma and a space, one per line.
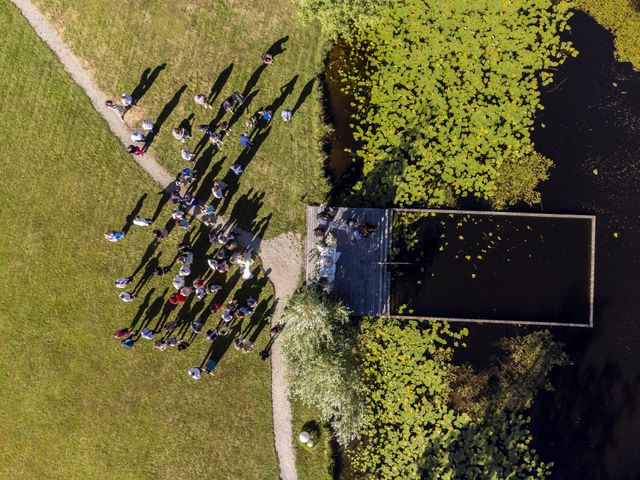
point(242, 109)
point(246, 209)
point(146, 256)
point(277, 47)
point(219, 84)
point(147, 275)
point(304, 94)
point(260, 319)
point(134, 212)
point(285, 91)
point(162, 201)
point(153, 310)
point(162, 117)
point(141, 309)
point(203, 186)
point(187, 123)
point(147, 79)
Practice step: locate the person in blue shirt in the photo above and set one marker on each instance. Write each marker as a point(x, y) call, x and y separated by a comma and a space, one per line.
point(245, 141)
point(266, 115)
point(114, 235)
point(128, 342)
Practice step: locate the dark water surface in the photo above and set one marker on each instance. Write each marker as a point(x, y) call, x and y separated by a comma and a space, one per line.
point(590, 427)
point(496, 267)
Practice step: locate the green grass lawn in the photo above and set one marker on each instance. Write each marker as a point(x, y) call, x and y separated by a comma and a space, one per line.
point(312, 463)
point(198, 40)
point(75, 404)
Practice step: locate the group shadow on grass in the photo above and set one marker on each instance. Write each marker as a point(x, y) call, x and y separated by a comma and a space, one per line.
point(157, 317)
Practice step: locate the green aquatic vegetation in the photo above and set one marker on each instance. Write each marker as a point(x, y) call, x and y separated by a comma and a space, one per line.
point(445, 96)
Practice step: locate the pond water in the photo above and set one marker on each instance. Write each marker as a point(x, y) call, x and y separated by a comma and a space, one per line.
point(590, 425)
point(497, 267)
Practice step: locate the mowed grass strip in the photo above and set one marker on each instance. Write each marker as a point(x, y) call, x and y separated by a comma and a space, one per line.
point(75, 404)
point(197, 41)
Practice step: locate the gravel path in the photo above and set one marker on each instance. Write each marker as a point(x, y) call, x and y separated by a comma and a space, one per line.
point(281, 256)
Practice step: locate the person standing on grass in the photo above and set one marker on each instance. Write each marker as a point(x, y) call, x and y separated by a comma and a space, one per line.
point(266, 115)
point(286, 115)
point(187, 155)
point(201, 99)
point(194, 372)
point(123, 332)
point(238, 98)
point(137, 136)
point(142, 221)
point(128, 342)
point(204, 128)
point(123, 282)
point(266, 58)
point(160, 271)
point(218, 188)
point(127, 101)
point(147, 334)
point(160, 233)
point(114, 235)
point(228, 106)
point(236, 168)
point(245, 141)
point(148, 126)
point(250, 124)
point(225, 129)
point(135, 150)
point(126, 297)
point(181, 134)
point(119, 110)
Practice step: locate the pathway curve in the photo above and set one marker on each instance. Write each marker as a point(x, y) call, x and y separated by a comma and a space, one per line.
point(281, 256)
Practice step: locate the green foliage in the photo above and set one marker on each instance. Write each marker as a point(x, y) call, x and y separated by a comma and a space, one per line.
point(446, 93)
point(317, 343)
point(622, 17)
point(415, 427)
point(495, 449)
point(512, 382)
point(338, 16)
point(406, 371)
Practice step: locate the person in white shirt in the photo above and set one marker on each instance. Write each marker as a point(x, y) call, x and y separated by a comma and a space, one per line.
point(127, 100)
point(201, 99)
point(194, 373)
point(178, 282)
point(122, 282)
point(137, 136)
point(236, 168)
point(142, 222)
point(184, 271)
point(147, 334)
point(126, 297)
point(187, 155)
point(148, 125)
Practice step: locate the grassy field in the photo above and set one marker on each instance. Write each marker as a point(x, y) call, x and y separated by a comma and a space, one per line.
point(215, 47)
point(75, 404)
point(312, 463)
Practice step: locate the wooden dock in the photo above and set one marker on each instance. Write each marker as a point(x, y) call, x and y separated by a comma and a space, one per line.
point(362, 281)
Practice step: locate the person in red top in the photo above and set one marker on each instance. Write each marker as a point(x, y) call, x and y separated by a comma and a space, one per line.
point(173, 299)
point(135, 150)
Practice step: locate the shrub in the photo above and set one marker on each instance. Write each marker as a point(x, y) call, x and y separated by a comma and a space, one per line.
point(317, 343)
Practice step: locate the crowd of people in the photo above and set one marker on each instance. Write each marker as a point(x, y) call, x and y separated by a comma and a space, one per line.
point(228, 254)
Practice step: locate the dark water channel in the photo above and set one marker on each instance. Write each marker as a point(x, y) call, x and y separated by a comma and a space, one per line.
point(496, 267)
point(590, 425)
